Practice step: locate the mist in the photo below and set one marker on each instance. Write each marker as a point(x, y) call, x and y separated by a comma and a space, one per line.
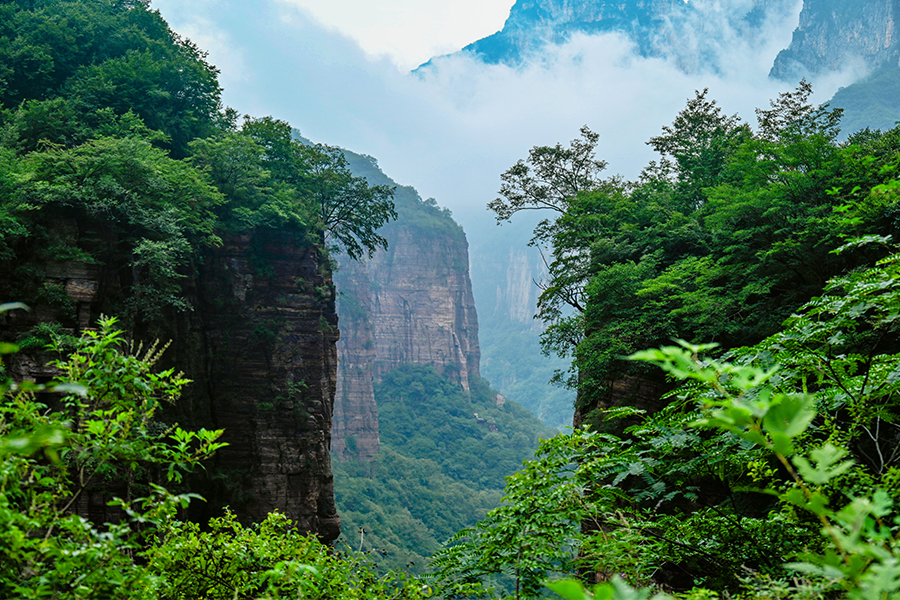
point(452, 130)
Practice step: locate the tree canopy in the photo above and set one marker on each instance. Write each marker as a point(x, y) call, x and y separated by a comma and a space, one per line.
point(761, 461)
point(111, 121)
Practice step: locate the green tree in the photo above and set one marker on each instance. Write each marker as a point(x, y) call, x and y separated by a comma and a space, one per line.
point(151, 214)
point(102, 436)
point(349, 210)
point(700, 140)
point(549, 179)
point(346, 210)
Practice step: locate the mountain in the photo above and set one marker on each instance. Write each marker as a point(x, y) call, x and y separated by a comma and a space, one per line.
point(690, 32)
point(422, 442)
point(871, 102)
point(410, 303)
point(833, 35)
point(505, 276)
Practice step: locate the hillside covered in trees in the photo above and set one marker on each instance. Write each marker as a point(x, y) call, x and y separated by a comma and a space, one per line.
point(761, 460)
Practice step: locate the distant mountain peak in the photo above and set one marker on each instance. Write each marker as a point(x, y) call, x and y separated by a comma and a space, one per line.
point(835, 33)
point(686, 30)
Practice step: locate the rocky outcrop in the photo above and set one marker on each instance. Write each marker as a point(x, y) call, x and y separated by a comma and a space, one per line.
point(269, 329)
point(422, 310)
point(692, 33)
point(409, 304)
point(258, 344)
point(833, 34)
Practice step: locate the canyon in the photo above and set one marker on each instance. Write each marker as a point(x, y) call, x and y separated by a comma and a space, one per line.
point(410, 303)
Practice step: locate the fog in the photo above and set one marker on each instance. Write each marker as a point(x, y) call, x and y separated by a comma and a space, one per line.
point(451, 131)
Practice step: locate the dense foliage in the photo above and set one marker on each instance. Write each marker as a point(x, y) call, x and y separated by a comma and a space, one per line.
point(441, 466)
point(720, 240)
point(97, 428)
point(115, 151)
point(771, 473)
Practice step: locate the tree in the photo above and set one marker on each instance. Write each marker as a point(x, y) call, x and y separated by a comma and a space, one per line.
point(346, 210)
point(700, 139)
point(808, 417)
point(349, 210)
point(96, 429)
point(549, 179)
point(103, 434)
point(152, 214)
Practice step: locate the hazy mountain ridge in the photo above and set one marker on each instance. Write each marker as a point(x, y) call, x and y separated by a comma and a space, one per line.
point(834, 35)
point(690, 32)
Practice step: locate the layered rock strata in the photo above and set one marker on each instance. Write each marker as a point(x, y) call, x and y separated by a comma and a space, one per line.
point(259, 346)
point(409, 304)
point(269, 329)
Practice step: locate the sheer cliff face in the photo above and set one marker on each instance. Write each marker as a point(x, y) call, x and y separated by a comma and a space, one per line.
point(833, 34)
point(691, 33)
point(269, 331)
point(409, 304)
point(355, 424)
point(259, 347)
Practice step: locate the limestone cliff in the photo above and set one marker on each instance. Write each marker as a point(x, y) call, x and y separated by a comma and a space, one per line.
point(258, 343)
point(409, 304)
point(833, 34)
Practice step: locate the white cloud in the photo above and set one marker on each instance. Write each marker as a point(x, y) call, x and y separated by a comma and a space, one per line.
point(453, 131)
point(409, 32)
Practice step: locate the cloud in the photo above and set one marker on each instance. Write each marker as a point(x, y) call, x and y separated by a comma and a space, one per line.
point(410, 31)
point(451, 132)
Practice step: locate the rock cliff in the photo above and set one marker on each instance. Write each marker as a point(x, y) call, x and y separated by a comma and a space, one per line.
point(259, 344)
point(409, 304)
point(834, 34)
point(269, 329)
point(692, 33)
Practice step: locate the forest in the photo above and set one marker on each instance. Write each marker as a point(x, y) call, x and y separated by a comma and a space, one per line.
point(731, 317)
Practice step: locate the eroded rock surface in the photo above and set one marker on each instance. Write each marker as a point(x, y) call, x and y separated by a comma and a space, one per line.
point(409, 304)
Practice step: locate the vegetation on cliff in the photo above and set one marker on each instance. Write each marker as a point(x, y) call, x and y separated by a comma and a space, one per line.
point(122, 177)
point(97, 427)
point(443, 460)
point(115, 151)
point(773, 471)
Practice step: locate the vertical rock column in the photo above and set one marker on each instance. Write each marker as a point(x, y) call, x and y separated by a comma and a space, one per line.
point(270, 328)
point(409, 304)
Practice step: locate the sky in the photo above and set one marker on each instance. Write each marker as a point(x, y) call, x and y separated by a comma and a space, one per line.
point(339, 72)
point(409, 32)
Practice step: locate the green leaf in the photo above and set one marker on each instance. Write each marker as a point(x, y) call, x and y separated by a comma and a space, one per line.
point(790, 415)
point(8, 306)
point(71, 388)
point(827, 464)
point(570, 589)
